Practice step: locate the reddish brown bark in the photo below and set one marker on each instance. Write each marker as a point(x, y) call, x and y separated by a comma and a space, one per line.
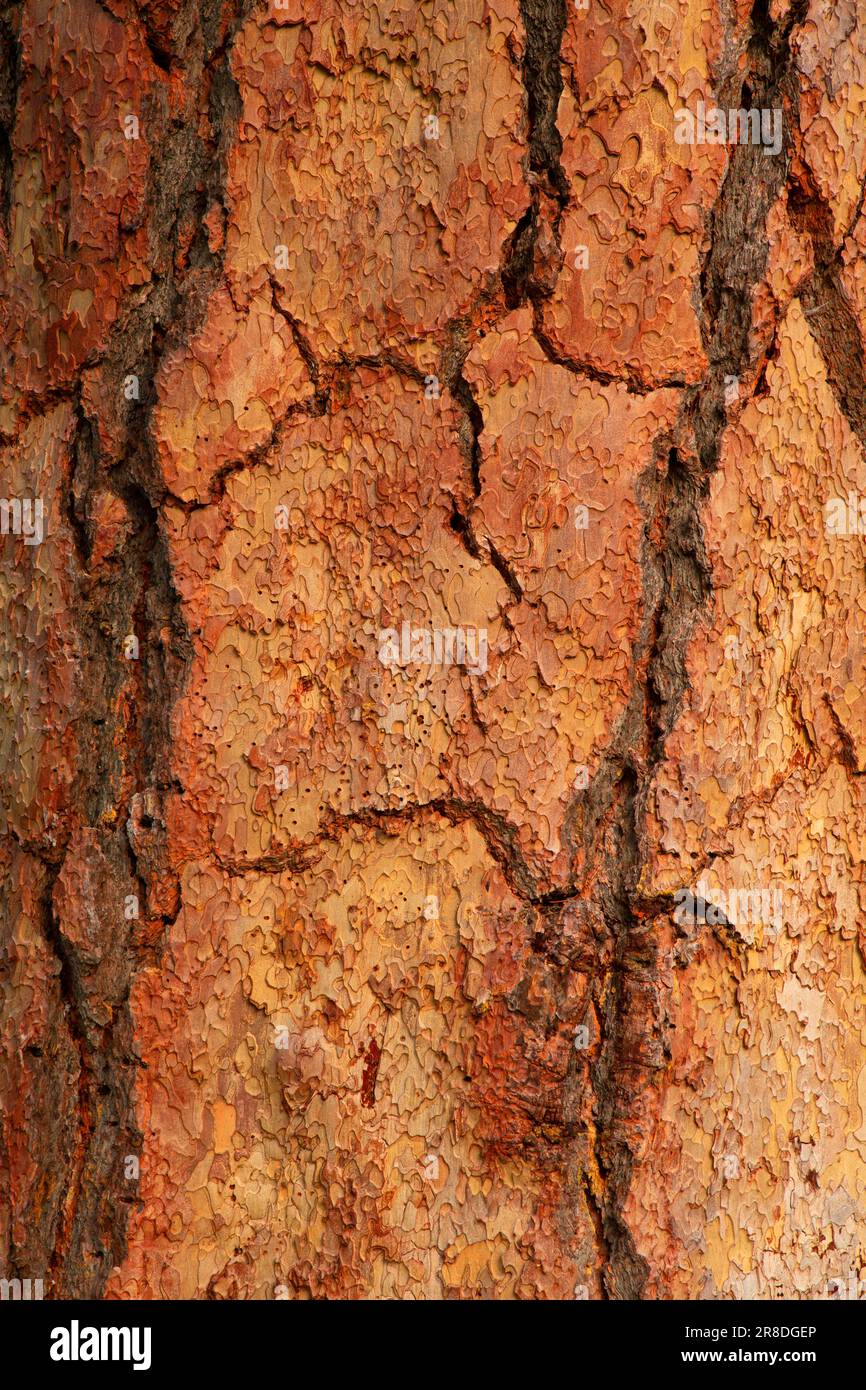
point(432, 817)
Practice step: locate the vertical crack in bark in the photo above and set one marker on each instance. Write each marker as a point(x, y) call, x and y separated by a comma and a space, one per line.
point(677, 591)
point(10, 77)
point(832, 321)
point(531, 258)
point(534, 258)
point(123, 731)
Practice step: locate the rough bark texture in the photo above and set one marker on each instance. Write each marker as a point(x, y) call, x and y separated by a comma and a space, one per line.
point(327, 975)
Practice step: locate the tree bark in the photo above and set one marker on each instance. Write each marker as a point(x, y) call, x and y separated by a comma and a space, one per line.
point(432, 822)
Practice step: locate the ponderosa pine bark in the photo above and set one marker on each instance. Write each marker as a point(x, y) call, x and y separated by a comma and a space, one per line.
point(433, 724)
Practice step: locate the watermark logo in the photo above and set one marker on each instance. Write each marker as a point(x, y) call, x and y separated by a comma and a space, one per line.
point(76, 1343)
point(17, 1290)
point(443, 646)
point(845, 517)
point(22, 516)
point(847, 1288)
point(710, 125)
point(733, 907)
point(732, 648)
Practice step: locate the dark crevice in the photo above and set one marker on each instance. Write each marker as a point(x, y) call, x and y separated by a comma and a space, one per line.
point(10, 81)
point(533, 257)
point(608, 820)
point(475, 422)
point(125, 699)
point(832, 320)
point(544, 25)
point(460, 526)
point(505, 571)
point(160, 55)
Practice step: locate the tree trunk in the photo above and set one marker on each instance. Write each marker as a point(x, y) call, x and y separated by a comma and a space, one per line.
point(433, 827)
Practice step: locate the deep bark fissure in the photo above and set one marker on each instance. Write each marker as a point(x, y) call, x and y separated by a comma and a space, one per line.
point(832, 321)
point(677, 592)
point(123, 768)
point(10, 78)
